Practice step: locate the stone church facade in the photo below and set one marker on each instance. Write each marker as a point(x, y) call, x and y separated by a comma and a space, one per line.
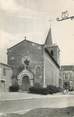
point(35, 64)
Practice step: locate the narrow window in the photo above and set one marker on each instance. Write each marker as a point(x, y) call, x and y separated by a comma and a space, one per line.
point(4, 72)
point(52, 52)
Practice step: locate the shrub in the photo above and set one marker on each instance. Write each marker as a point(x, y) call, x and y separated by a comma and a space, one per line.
point(36, 90)
point(71, 89)
point(49, 90)
point(14, 88)
point(53, 89)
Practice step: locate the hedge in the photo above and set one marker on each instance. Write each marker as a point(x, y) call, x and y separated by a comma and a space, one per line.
point(14, 88)
point(38, 90)
point(54, 89)
point(48, 90)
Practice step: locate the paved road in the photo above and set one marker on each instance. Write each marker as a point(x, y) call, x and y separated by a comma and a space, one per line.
point(28, 102)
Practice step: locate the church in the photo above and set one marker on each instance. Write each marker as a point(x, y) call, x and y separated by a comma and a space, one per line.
point(35, 64)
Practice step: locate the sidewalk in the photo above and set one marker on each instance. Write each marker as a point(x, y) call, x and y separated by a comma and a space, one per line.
point(24, 95)
point(19, 96)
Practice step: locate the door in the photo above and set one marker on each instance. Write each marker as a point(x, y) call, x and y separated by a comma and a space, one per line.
point(25, 83)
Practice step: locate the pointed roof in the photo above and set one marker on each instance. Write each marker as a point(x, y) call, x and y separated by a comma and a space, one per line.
point(48, 40)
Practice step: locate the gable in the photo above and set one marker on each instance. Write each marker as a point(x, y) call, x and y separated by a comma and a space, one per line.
point(22, 44)
point(47, 41)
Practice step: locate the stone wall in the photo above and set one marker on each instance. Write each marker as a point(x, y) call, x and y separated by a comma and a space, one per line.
point(51, 71)
point(68, 76)
point(5, 78)
point(31, 51)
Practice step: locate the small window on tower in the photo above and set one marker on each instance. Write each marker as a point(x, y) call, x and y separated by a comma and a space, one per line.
point(52, 52)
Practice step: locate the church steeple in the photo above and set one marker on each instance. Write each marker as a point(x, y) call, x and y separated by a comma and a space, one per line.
point(48, 41)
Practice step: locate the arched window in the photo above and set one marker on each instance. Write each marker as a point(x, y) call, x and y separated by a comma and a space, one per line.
point(38, 70)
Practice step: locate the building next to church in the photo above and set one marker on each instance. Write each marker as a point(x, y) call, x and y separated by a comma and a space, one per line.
point(5, 77)
point(35, 64)
point(67, 74)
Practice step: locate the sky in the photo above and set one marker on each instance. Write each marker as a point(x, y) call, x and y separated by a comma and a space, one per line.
point(33, 18)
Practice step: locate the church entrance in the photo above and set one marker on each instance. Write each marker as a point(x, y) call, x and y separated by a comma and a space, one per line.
point(25, 83)
point(25, 80)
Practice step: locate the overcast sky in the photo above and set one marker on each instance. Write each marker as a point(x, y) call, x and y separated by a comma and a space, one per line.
point(32, 18)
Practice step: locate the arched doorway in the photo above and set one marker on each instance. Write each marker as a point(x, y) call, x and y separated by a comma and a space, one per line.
point(25, 80)
point(25, 83)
